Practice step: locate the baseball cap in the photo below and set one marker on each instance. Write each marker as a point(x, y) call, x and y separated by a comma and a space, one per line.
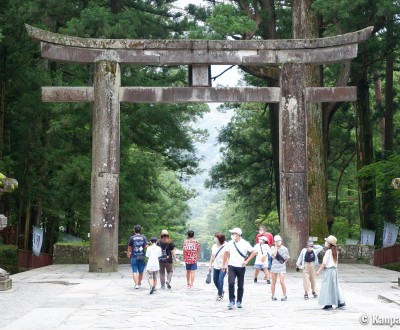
point(236, 230)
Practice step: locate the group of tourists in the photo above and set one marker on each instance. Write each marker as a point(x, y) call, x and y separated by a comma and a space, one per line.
point(161, 255)
point(231, 257)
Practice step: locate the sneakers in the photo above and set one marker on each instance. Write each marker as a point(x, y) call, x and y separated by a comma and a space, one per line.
point(327, 307)
point(162, 286)
point(341, 305)
point(284, 298)
point(231, 305)
point(136, 286)
point(255, 279)
point(219, 298)
point(168, 285)
point(273, 298)
point(268, 282)
point(239, 304)
point(153, 288)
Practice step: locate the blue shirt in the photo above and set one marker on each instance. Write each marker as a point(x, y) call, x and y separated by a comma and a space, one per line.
point(138, 242)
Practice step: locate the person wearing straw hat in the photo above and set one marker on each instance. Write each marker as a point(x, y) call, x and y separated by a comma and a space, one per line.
point(330, 293)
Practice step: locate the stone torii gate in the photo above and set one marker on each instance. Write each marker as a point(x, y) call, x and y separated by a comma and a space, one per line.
point(107, 93)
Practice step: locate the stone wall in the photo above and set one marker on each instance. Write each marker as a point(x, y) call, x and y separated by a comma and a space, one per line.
point(355, 254)
point(79, 254)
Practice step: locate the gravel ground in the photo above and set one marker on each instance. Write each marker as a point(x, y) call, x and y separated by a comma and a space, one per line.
point(24, 297)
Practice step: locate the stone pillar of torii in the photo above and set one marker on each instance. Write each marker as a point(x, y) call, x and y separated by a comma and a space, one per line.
point(107, 93)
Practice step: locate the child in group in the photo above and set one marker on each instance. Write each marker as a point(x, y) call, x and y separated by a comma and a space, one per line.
point(280, 255)
point(308, 260)
point(261, 251)
point(191, 250)
point(153, 253)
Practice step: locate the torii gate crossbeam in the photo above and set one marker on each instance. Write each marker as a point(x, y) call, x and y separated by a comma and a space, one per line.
point(107, 93)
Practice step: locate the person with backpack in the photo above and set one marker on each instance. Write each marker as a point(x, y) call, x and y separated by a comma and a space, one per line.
point(191, 250)
point(167, 257)
point(136, 246)
point(234, 257)
point(216, 261)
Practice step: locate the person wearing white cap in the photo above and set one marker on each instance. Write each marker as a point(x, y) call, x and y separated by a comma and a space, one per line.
point(308, 260)
point(261, 251)
point(330, 293)
point(280, 255)
point(234, 258)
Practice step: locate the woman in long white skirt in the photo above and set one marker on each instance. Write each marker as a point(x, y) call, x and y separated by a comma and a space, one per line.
point(330, 293)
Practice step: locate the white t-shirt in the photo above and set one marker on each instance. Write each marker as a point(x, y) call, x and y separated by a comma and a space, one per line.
point(153, 253)
point(235, 259)
point(260, 253)
point(218, 261)
point(328, 259)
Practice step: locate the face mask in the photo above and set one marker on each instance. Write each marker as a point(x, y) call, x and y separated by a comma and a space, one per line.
point(216, 240)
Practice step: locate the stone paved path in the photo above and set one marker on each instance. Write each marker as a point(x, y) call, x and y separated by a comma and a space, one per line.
point(68, 297)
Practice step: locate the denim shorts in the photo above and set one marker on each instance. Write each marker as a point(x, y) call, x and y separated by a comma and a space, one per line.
point(260, 266)
point(191, 266)
point(137, 265)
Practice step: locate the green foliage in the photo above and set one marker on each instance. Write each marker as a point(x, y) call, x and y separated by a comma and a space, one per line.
point(9, 258)
point(227, 20)
point(246, 165)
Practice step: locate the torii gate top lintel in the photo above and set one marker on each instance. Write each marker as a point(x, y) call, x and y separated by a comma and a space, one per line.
point(153, 51)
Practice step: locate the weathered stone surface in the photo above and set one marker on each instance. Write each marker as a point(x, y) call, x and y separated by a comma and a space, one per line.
point(79, 254)
point(5, 281)
point(293, 133)
point(331, 94)
point(104, 210)
point(6, 284)
point(199, 94)
point(67, 94)
point(230, 45)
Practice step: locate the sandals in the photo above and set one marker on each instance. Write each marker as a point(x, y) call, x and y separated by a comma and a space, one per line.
point(306, 296)
point(315, 295)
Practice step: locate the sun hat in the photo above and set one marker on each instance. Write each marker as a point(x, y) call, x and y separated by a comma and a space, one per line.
point(331, 240)
point(164, 232)
point(236, 230)
point(277, 238)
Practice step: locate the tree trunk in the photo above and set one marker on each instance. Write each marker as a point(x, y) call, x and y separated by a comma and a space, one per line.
point(380, 110)
point(306, 25)
point(388, 144)
point(366, 186)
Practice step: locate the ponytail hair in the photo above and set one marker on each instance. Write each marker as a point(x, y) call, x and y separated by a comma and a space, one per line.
point(334, 252)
